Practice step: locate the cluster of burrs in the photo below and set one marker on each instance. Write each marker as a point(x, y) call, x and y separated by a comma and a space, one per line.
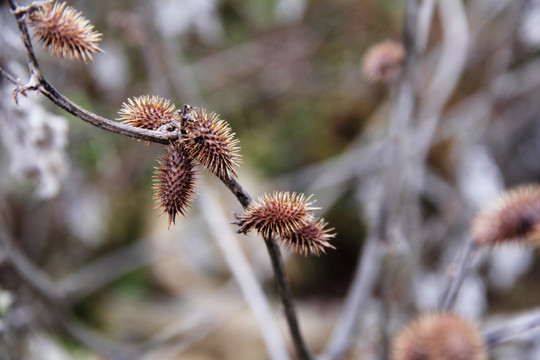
point(205, 141)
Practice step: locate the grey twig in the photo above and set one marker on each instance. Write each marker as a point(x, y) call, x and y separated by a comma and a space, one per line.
point(364, 278)
point(105, 347)
point(35, 277)
point(511, 332)
point(12, 79)
point(450, 294)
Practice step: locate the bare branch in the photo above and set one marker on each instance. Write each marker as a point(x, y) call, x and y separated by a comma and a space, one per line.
point(512, 332)
point(450, 294)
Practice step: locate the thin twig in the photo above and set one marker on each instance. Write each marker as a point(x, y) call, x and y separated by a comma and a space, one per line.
point(364, 279)
point(511, 332)
point(450, 294)
point(238, 191)
point(452, 62)
point(284, 290)
point(34, 276)
point(9, 76)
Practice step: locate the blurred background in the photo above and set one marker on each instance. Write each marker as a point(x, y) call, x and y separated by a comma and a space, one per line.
point(426, 149)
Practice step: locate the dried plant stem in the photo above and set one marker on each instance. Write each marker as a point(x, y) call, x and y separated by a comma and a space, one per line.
point(282, 282)
point(236, 189)
point(284, 290)
point(105, 347)
point(449, 297)
point(509, 333)
point(56, 300)
point(35, 277)
point(39, 83)
point(109, 125)
point(8, 76)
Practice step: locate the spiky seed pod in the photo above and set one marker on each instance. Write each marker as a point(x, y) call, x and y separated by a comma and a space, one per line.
point(439, 336)
point(211, 143)
point(174, 182)
point(311, 238)
point(147, 112)
point(279, 214)
point(513, 217)
point(382, 62)
point(64, 32)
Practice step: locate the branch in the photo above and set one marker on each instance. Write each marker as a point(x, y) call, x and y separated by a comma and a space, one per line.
point(450, 294)
point(12, 79)
point(35, 277)
point(244, 275)
point(38, 82)
point(284, 290)
point(511, 332)
point(364, 279)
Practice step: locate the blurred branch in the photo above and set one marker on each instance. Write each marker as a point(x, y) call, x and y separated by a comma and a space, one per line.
point(12, 79)
point(364, 279)
point(35, 277)
point(56, 300)
point(197, 323)
point(96, 274)
point(452, 61)
point(285, 293)
point(369, 266)
point(457, 275)
point(106, 347)
point(514, 332)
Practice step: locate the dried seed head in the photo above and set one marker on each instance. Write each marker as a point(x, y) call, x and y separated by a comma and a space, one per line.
point(382, 62)
point(439, 337)
point(64, 32)
point(310, 238)
point(147, 112)
point(513, 217)
point(281, 214)
point(211, 143)
point(174, 182)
